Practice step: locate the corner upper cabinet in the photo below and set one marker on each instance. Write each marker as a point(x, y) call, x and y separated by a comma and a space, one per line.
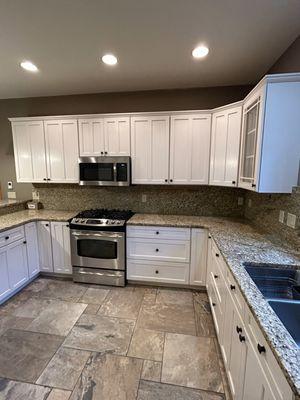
point(29, 151)
point(270, 145)
point(150, 149)
point(62, 150)
point(91, 137)
point(225, 146)
point(189, 149)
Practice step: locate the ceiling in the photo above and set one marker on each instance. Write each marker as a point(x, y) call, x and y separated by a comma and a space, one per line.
point(152, 39)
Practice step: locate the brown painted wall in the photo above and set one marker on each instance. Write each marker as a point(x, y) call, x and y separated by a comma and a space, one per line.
point(160, 100)
point(289, 61)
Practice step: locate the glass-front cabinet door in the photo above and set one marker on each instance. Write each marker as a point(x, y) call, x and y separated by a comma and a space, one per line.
point(249, 165)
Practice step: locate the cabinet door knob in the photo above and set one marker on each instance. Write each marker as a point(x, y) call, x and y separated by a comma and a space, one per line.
point(44, 179)
point(238, 329)
point(242, 338)
point(209, 237)
point(232, 287)
point(68, 226)
point(214, 304)
point(156, 271)
point(171, 180)
point(48, 179)
point(102, 152)
point(217, 255)
point(157, 250)
point(253, 185)
point(6, 237)
point(261, 349)
point(46, 224)
point(166, 180)
point(105, 152)
point(24, 242)
point(216, 276)
point(233, 182)
point(157, 232)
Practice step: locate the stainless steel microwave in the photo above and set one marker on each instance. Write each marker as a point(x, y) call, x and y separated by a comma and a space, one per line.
point(104, 171)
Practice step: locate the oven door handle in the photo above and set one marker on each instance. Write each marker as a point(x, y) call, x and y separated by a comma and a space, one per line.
point(93, 235)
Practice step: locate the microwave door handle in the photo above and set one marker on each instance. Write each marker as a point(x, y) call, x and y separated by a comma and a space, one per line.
point(115, 172)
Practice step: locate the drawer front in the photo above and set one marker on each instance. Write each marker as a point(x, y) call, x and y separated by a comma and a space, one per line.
point(157, 232)
point(158, 272)
point(12, 235)
point(163, 250)
point(236, 293)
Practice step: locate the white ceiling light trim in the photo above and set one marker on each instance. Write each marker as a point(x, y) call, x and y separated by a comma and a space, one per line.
point(109, 59)
point(29, 66)
point(200, 52)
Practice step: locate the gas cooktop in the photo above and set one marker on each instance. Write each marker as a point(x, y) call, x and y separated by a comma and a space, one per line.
point(101, 218)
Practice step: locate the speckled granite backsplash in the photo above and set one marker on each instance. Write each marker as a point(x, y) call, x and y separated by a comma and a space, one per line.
point(264, 213)
point(200, 200)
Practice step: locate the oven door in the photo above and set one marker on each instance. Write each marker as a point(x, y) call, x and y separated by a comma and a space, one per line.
point(98, 249)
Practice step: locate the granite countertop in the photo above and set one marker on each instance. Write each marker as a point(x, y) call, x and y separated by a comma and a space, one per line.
point(239, 243)
point(12, 220)
point(11, 202)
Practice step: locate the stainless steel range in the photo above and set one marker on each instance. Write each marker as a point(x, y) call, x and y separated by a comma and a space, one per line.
point(98, 246)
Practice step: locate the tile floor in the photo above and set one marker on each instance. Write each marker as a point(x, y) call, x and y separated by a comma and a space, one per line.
point(65, 341)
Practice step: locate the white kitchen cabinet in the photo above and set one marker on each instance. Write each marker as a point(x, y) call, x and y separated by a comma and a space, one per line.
point(225, 146)
point(62, 150)
point(61, 249)
point(29, 151)
point(91, 137)
point(4, 281)
point(270, 145)
point(199, 239)
point(32, 249)
point(17, 264)
point(45, 246)
point(189, 149)
point(150, 149)
point(117, 136)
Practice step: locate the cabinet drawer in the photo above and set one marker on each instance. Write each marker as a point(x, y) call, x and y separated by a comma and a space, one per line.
point(163, 250)
point(157, 271)
point(157, 232)
point(235, 293)
point(11, 235)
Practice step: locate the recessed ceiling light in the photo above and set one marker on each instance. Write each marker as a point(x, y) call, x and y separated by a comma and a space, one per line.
point(29, 66)
point(109, 59)
point(200, 51)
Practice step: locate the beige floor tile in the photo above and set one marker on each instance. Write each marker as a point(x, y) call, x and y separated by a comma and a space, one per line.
point(58, 394)
point(147, 344)
point(94, 296)
point(151, 371)
point(122, 303)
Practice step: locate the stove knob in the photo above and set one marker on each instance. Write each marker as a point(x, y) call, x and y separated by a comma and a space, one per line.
point(112, 222)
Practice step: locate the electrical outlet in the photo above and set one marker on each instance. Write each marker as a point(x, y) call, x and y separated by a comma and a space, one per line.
point(10, 185)
point(249, 203)
point(281, 216)
point(240, 201)
point(11, 195)
point(35, 195)
point(144, 198)
point(291, 220)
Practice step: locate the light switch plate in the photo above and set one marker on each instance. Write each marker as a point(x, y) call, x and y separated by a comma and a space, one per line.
point(291, 220)
point(11, 195)
point(281, 216)
point(35, 195)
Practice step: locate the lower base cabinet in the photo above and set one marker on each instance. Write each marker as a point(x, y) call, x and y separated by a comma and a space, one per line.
point(17, 264)
point(61, 248)
point(251, 375)
point(4, 281)
point(32, 249)
point(45, 246)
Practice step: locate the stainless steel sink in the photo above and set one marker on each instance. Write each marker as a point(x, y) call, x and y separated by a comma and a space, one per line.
point(280, 285)
point(289, 314)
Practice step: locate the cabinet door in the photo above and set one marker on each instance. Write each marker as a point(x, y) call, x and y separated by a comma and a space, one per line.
point(256, 384)
point(29, 151)
point(17, 264)
point(198, 257)
point(32, 249)
point(4, 281)
point(60, 235)
point(117, 136)
point(91, 137)
point(150, 150)
point(251, 141)
point(189, 149)
point(45, 248)
point(225, 146)
point(62, 150)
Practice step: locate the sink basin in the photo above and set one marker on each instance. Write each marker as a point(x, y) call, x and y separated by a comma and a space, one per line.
point(275, 282)
point(289, 314)
point(279, 284)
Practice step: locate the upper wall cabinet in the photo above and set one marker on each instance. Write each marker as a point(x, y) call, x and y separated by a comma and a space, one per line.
point(150, 149)
point(189, 149)
point(62, 150)
point(270, 150)
point(104, 136)
point(225, 146)
point(29, 150)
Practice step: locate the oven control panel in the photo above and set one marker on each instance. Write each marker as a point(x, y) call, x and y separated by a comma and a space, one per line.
point(97, 222)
